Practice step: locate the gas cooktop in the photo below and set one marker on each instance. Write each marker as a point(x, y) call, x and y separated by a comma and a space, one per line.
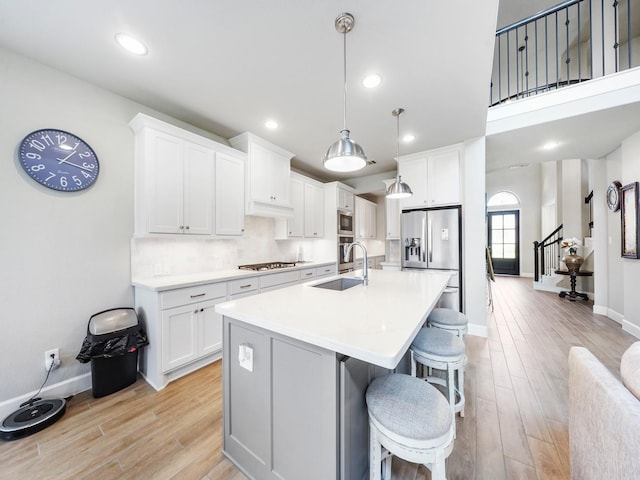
point(258, 267)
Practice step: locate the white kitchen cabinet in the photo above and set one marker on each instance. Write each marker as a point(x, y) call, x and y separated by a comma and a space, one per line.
point(179, 178)
point(392, 208)
point(267, 179)
point(434, 177)
point(307, 199)
point(313, 210)
point(189, 333)
point(345, 200)
point(366, 224)
point(295, 224)
point(229, 194)
point(185, 183)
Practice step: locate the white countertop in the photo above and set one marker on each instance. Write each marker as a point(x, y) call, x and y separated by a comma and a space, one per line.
point(168, 282)
point(376, 323)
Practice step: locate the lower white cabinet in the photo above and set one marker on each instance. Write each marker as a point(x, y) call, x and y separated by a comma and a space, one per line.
point(190, 332)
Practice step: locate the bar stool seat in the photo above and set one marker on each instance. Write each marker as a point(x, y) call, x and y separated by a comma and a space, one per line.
point(449, 319)
point(438, 349)
point(410, 419)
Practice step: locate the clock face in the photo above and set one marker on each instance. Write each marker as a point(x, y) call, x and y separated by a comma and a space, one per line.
point(59, 160)
point(613, 196)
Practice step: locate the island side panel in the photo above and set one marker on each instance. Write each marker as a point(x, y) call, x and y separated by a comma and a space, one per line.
point(281, 419)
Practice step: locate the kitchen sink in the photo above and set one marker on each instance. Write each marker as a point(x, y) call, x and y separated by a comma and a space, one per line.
point(340, 283)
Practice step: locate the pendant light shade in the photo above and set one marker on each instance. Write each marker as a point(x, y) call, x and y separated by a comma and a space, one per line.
point(345, 155)
point(398, 189)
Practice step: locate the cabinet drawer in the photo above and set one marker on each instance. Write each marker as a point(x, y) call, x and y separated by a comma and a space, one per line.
point(184, 296)
point(279, 279)
point(326, 271)
point(308, 274)
point(243, 285)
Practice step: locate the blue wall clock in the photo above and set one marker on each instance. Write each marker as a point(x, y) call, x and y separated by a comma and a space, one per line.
point(59, 160)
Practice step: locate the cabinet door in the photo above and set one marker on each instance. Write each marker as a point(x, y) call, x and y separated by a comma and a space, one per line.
point(345, 200)
point(279, 175)
point(295, 225)
point(414, 173)
point(371, 211)
point(313, 211)
point(229, 195)
point(444, 178)
point(179, 336)
point(165, 183)
point(210, 338)
point(198, 191)
point(360, 226)
point(260, 159)
point(392, 206)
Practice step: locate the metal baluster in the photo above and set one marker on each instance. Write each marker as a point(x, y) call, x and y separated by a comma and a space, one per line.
point(568, 60)
point(557, 55)
point(526, 52)
point(536, 51)
point(615, 33)
point(508, 69)
point(579, 48)
point(499, 69)
point(546, 51)
point(591, 39)
point(629, 34)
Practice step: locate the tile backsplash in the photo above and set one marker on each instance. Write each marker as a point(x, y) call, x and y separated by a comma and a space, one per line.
point(184, 254)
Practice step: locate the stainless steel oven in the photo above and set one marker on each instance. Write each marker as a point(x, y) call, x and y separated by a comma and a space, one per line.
point(344, 265)
point(345, 223)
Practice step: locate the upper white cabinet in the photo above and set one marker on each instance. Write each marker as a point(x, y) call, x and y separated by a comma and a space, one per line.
point(366, 212)
point(434, 177)
point(307, 200)
point(345, 200)
point(392, 208)
point(229, 194)
point(313, 210)
point(185, 183)
point(267, 179)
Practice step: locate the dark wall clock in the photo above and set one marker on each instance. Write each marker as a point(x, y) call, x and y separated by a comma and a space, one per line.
point(59, 160)
point(613, 196)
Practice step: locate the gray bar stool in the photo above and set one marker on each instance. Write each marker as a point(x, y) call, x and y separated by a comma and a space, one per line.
point(438, 349)
point(448, 319)
point(410, 419)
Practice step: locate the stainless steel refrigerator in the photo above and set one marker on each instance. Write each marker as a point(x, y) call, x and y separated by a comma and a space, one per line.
point(431, 240)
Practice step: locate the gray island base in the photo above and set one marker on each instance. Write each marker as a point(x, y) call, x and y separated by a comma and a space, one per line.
point(296, 365)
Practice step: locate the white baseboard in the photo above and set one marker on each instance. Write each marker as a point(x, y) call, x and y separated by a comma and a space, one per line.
point(631, 328)
point(478, 330)
point(62, 389)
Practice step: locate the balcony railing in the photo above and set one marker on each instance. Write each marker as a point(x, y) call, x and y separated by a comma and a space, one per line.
point(570, 43)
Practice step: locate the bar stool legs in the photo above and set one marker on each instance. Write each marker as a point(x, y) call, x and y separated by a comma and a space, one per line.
point(410, 419)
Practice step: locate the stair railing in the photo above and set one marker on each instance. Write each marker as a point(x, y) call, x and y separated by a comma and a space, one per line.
point(570, 43)
point(546, 254)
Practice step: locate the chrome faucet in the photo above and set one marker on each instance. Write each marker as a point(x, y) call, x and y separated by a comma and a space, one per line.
point(365, 272)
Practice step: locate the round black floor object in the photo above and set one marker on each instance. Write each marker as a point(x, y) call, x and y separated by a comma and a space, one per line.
point(32, 418)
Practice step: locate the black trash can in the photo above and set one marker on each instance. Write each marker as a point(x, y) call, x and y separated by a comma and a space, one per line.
point(112, 342)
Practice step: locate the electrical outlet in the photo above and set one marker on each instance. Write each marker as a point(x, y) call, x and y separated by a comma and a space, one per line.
point(48, 360)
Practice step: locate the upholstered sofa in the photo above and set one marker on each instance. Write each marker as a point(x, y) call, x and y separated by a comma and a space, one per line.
point(604, 417)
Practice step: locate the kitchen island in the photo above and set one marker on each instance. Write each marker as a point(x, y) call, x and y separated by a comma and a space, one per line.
point(296, 364)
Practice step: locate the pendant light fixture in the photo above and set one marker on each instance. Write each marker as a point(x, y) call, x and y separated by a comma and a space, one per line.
point(398, 189)
point(345, 155)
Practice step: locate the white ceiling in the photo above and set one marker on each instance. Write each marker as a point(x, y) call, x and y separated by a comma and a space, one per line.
point(227, 65)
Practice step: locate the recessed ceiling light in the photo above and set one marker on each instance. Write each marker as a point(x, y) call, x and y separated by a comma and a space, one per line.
point(408, 138)
point(372, 81)
point(271, 124)
point(550, 145)
point(130, 44)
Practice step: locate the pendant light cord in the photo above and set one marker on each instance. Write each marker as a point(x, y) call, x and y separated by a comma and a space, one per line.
point(344, 59)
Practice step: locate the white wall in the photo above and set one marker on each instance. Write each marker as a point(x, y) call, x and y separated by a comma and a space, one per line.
point(615, 290)
point(525, 184)
point(64, 256)
point(631, 267)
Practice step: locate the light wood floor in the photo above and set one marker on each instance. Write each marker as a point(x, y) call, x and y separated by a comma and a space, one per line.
point(515, 425)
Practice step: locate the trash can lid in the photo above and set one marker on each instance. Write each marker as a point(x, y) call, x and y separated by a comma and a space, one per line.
point(112, 320)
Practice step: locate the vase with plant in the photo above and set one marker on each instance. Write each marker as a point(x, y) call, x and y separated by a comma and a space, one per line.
point(573, 261)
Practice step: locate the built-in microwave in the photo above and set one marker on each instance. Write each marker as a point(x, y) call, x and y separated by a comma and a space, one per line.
point(345, 223)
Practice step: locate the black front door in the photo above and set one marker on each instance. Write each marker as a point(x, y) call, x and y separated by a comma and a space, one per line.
point(504, 241)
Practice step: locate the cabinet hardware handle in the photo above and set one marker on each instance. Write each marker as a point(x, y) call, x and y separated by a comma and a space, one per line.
point(245, 286)
point(307, 274)
point(198, 295)
point(202, 309)
point(187, 227)
point(181, 227)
